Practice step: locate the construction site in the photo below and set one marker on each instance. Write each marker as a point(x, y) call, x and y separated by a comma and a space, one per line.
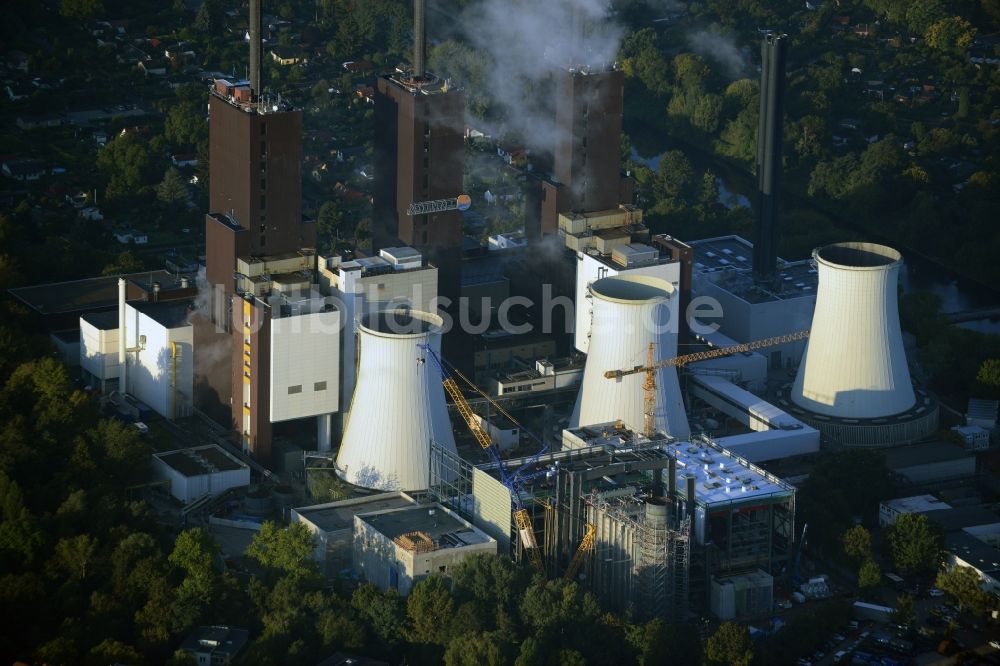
point(651, 525)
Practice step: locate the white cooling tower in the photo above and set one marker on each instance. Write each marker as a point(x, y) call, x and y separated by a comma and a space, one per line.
point(398, 404)
point(854, 365)
point(628, 313)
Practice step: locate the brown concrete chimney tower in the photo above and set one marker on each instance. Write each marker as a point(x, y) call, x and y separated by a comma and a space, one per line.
point(419, 156)
point(255, 208)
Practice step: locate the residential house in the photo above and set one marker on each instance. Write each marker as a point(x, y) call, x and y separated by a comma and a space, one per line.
point(132, 55)
point(24, 170)
point(181, 160)
point(287, 55)
point(16, 92)
point(42, 120)
point(157, 67)
point(91, 214)
point(131, 236)
point(216, 645)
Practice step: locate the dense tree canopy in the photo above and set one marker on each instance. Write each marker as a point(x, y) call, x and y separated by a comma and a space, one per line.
point(966, 587)
point(914, 543)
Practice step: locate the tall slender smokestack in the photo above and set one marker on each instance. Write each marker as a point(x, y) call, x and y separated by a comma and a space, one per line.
point(419, 38)
point(773, 52)
point(255, 48)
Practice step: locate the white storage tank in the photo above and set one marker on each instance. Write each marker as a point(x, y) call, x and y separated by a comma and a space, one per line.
point(854, 365)
point(629, 313)
point(398, 405)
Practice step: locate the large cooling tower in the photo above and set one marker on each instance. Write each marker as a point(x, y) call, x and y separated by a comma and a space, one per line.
point(854, 366)
point(629, 313)
point(398, 404)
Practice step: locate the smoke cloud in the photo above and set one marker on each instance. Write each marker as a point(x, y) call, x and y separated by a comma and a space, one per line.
point(518, 45)
point(217, 349)
point(721, 48)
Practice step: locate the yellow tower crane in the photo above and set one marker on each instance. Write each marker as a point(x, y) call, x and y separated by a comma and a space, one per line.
point(522, 518)
point(649, 384)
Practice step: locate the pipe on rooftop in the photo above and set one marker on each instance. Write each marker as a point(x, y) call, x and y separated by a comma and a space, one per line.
point(254, 49)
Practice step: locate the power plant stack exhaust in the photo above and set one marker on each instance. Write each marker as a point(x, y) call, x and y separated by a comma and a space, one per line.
point(255, 41)
point(854, 366)
point(773, 52)
point(629, 313)
point(398, 405)
point(419, 38)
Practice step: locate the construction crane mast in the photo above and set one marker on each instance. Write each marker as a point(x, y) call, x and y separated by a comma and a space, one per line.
point(512, 480)
point(649, 384)
point(586, 545)
point(461, 202)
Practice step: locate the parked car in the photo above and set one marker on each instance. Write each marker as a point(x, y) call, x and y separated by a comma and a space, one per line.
point(934, 592)
point(995, 644)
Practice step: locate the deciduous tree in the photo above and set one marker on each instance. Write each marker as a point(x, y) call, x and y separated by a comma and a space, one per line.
point(914, 542)
point(869, 575)
point(857, 543)
point(429, 609)
point(965, 585)
point(730, 645)
point(287, 550)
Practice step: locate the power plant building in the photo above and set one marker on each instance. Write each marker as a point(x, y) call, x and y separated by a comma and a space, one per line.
point(744, 309)
point(669, 516)
point(285, 350)
point(332, 525)
point(397, 548)
point(158, 354)
point(202, 471)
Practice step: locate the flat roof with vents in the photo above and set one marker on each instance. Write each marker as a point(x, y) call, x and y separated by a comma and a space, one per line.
point(622, 452)
point(200, 460)
point(424, 528)
point(732, 256)
point(974, 552)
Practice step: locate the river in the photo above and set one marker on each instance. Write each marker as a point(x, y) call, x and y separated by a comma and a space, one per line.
point(957, 294)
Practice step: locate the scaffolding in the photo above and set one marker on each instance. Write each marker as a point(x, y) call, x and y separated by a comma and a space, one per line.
point(643, 554)
point(451, 481)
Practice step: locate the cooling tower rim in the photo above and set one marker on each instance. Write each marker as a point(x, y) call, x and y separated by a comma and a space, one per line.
point(632, 289)
point(376, 324)
point(858, 256)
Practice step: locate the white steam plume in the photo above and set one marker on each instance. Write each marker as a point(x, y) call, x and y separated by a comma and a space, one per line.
point(523, 43)
point(720, 48)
